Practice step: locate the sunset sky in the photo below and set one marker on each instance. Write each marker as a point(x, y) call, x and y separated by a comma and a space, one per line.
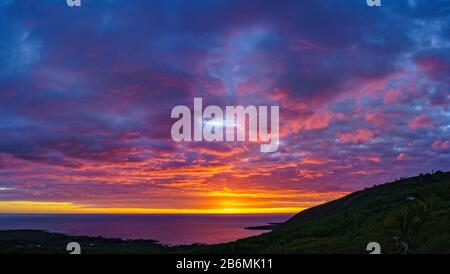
point(86, 95)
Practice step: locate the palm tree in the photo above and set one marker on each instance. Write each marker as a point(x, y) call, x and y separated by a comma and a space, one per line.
point(410, 220)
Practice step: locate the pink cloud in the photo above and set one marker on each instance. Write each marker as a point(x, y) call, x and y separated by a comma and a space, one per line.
point(375, 118)
point(301, 121)
point(393, 96)
point(356, 136)
point(279, 94)
point(440, 145)
point(402, 156)
point(421, 121)
point(432, 65)
point(302, 44)
point(318, 120)
point(379, 118)
point(376, 159)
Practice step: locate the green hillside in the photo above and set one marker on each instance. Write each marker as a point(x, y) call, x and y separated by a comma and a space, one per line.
point(406, 216)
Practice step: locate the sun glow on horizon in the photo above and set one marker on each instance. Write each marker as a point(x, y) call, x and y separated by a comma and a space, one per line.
point(72, 208)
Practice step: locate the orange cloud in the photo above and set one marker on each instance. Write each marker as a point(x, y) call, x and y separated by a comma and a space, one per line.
point(311, 174)
point(314, 161)
point(219, 153)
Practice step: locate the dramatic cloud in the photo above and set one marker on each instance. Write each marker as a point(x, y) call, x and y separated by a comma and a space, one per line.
point(86, 95)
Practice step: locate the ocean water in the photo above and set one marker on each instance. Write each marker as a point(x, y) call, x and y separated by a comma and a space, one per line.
point(167, 229)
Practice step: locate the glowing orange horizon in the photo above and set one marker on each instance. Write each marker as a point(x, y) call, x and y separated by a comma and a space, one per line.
point(71, 208)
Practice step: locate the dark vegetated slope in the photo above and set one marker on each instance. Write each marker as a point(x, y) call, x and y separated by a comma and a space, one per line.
point(406, 216)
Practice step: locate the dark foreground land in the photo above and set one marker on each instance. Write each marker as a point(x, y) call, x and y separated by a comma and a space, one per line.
point(406, 216)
